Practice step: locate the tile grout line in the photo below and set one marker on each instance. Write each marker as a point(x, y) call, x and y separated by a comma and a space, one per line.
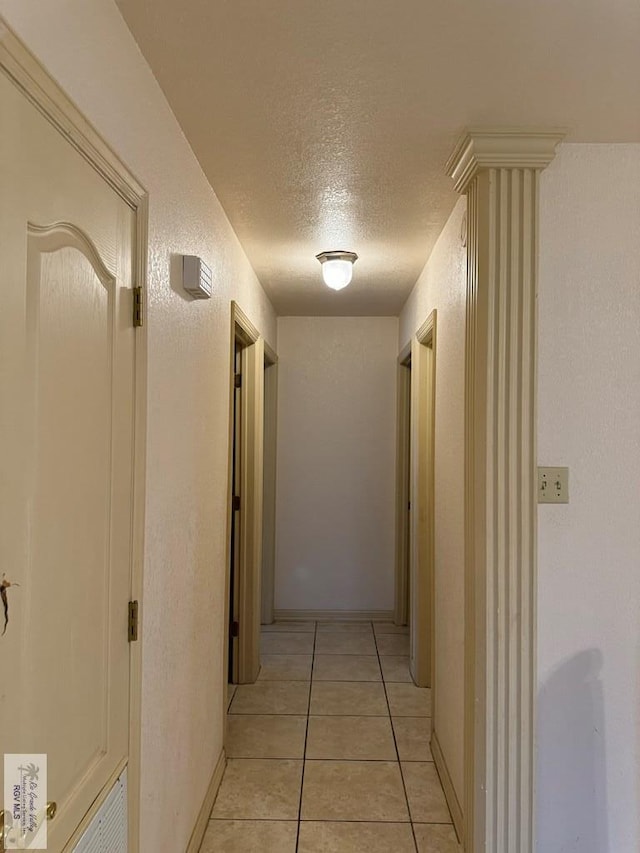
point(318, 820)
point(306, 735)
point(395, 743)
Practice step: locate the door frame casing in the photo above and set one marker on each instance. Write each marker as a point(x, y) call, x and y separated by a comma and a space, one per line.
point(251, 492)
point(269, 504)
point(35, 83)
point(422, 498)
point(403, 469)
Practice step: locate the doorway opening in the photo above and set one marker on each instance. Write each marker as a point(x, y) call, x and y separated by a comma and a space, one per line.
point(246, 436)
point(415, 520)
point(234, 550)
point(403, 502)
point(269, 486)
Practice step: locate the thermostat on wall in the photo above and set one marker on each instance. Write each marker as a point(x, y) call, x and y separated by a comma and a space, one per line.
point(196, 277)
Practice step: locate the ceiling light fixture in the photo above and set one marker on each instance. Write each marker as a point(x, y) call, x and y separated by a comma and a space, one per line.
point(337, 268)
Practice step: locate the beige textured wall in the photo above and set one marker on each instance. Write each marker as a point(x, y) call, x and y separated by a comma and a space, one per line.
point(336, 463)
point(588, 714)
point(89, 50)
point(442, 285)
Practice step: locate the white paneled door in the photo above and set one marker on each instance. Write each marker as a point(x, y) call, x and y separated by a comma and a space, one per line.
point(67, 357)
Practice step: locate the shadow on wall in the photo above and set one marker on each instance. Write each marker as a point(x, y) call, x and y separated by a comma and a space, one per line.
point(571, 772)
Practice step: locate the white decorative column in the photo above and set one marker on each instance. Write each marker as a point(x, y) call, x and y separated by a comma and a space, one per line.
point(499, 172)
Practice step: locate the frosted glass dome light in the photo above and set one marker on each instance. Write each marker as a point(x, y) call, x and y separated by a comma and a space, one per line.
point(337, 268)
point(337, 274)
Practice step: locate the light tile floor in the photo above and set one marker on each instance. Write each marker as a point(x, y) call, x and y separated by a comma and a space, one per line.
point(329, 751)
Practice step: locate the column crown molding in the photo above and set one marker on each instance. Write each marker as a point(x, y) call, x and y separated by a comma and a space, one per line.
point(492, 148)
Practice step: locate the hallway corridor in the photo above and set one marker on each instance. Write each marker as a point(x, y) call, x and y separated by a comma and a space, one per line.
point(329, 750)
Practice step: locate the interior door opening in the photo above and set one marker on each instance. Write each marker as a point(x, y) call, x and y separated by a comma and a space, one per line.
point(415, 499)
point(402, 607)
point(236, 500)
point(246, 430)
point(269, 488)
point(422, 497)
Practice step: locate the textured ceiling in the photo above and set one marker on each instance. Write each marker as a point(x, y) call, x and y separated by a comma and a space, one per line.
point(326, 124)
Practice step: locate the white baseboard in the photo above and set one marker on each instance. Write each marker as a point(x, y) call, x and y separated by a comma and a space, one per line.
point(334, 615)
point(195, 842)
point(447, 784)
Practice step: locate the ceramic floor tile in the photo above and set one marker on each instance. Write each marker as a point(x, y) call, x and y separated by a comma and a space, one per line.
point(286, 643)
point(392, 644)
point(289, 627)
point(257, 788)
point(424, 792)
point(265, 736)
point(348, 698)
point(353, 790)
point(341, 627)
point(436, 838)
point(351, 738)
point(285, 668)
point(395, 668)
point(346, 668)
point(231, 690)
point(345, 643)
point(390, 628)
point(271, 697)
point(412, 737)
point(329, 837)
point(244, 836)
point(407, 700)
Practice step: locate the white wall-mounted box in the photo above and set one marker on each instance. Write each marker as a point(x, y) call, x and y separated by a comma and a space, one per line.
point(196, 277)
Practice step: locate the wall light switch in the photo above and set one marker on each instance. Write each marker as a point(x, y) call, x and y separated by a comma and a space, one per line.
point(553, 485)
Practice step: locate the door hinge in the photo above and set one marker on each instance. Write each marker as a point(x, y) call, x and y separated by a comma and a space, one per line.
point(133, 621)
point(237, 380)
point(236, 502)
point(138, 306)
point(235, 629)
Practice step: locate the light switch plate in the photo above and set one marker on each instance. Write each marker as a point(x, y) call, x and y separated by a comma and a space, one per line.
point(553, 485)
